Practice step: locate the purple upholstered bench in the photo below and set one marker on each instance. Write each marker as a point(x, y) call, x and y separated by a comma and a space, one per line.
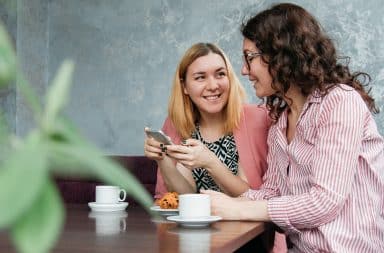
point(75, 190)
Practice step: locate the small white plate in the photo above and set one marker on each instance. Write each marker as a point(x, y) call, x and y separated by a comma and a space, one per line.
point(108, 207)
point(165, 212)
point(195, 222)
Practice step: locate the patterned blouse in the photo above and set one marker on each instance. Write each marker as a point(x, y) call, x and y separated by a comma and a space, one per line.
point(225, 149)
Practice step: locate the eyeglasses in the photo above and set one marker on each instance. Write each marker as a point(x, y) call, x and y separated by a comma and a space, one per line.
point(249, 56)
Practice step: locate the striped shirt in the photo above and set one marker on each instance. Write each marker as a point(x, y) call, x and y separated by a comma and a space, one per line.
point(325, 189)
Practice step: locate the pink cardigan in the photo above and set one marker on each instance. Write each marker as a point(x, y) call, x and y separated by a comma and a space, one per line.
point(251, 143)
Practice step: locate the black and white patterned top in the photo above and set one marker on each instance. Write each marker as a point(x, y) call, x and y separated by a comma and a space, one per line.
point(225, 149)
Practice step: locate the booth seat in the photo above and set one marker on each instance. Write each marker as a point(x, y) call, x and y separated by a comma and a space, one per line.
point(77, 190)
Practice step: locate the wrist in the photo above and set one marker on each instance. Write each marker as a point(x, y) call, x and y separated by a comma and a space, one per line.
point(213, 164)
point(165, 164)
point(254, 210)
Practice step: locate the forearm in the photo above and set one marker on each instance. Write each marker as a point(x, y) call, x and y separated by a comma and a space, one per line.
point(253, 210)
point(240, 209)
point(173, 179)
point(231, 184)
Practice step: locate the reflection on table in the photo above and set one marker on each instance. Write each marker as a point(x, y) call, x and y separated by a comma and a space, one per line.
point(134, 230)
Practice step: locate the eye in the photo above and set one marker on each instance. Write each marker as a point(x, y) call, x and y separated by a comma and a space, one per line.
point(221, 74)
point(199, 78)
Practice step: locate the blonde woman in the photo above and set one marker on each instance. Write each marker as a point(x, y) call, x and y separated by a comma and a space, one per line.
point(219, 142)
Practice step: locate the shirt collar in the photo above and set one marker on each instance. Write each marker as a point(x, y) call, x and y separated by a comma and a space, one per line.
point(315, 97)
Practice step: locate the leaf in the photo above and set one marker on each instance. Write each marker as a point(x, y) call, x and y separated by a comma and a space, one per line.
point(58, 94)
point(4, 138)
point(7, 58)
point(38, 230)
point(30, 96)
point(66, 132)
point(73, 155)
point(21, 178)
point(94, 163)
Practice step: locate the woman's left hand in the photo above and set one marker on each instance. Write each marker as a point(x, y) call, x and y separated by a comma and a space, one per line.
point(192, 154)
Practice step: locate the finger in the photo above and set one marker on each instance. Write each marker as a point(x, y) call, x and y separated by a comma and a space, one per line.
point(191, 142)
point(154, 155)
point(152, 142)
point(179, 149)
point(153, 148)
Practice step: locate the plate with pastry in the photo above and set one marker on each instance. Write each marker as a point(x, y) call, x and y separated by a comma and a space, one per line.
point(167, 205)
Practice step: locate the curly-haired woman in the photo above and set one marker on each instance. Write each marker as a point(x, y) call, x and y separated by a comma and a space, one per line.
point(325, 180)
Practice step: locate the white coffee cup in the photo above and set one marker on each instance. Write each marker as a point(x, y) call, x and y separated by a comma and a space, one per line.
point(107, 194)
point(194, 206)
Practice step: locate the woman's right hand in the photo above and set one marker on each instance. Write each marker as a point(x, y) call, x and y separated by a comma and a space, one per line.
point(153, 149)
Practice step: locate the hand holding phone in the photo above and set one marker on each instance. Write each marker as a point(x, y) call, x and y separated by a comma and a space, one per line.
point(159, 136)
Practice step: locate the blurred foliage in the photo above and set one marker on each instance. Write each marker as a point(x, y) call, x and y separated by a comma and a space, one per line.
point(31, 208)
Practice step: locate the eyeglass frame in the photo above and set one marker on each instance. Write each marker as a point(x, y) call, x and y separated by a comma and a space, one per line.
point(249, 56)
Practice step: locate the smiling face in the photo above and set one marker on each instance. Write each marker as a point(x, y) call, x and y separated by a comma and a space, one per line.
point(207, 84)
point(258, 71)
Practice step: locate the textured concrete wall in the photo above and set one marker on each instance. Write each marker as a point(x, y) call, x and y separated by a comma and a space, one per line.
point(126, 53)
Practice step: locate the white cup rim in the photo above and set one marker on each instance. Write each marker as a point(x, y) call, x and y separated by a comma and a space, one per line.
point(194, 195)
point(106, 186)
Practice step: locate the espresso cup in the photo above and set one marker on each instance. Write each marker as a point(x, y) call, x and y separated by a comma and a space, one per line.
point(193, 206)
point(107, 194)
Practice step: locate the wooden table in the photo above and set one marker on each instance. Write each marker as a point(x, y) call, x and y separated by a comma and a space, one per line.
point(134, 230)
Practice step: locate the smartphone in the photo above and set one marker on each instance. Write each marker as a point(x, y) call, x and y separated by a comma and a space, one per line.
point(159, 136)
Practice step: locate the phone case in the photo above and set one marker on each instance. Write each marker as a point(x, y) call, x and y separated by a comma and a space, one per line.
point(159, 136)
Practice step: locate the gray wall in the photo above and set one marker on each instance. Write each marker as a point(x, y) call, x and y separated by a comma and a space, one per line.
point(126, 53)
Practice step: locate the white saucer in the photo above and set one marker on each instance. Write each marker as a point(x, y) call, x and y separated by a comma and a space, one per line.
point(179, 230)
point(194, 222)
point(111, 215)
point(165, 212)
point(108, 207)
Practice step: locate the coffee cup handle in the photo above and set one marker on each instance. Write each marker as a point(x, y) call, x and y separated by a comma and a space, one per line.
point(124, 195)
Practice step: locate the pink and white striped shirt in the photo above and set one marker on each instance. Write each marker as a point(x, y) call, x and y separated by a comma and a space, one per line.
point(326, 188)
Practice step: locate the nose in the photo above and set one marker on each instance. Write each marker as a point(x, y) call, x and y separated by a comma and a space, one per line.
point(212, 83)
point(244, 69)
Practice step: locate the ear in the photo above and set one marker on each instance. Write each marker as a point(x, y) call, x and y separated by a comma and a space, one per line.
point(184, 89)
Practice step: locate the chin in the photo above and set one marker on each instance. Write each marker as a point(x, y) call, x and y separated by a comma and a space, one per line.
point(214, 110)
point(259, 94)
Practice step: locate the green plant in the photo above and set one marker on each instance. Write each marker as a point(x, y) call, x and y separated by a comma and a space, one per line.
point(31, 208)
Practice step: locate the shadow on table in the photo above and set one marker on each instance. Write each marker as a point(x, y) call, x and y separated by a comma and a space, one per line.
point(262, 243)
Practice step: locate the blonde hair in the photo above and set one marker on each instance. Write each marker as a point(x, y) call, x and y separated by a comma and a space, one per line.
point(181, 110)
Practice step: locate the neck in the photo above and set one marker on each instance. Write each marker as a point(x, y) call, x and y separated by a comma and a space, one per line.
point(295, 100)
point(211, 128)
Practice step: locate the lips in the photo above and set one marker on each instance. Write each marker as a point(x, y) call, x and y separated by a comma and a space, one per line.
point(212, 97)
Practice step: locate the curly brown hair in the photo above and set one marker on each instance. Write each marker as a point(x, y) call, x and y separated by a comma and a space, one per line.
point(298, 52)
